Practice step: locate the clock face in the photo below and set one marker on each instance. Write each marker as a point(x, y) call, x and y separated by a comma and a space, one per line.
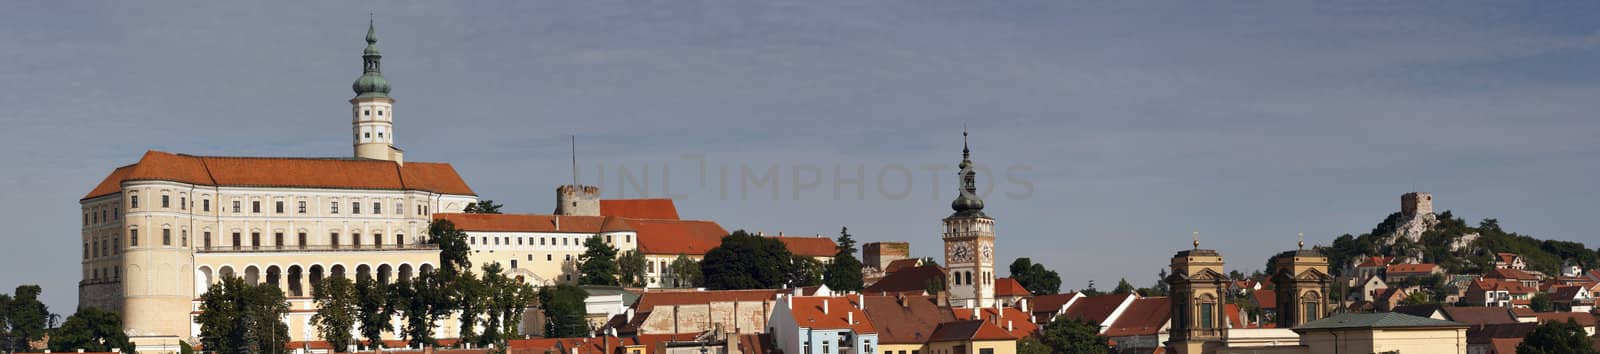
point(988, 252)
point(960, 253)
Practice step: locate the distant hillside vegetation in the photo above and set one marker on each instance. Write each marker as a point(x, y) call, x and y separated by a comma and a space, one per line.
point(1453, 244)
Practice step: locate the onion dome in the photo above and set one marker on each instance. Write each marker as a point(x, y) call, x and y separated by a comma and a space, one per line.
point(967, 203)
point(371, 82)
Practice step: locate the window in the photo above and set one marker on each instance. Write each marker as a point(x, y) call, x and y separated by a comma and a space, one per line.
point(302, 240)
point(86, 249)
point(563, 241)
point(207, 240)
point(355, 239)
point(184, 237)
point(1311, 311)
point(399, 208)
point(333, 239)
point(399, 240)
point(548, 258)
point(519, 241)
point(377, 208)
point(133, 238)
point(629, 238)
point(608, 239)
point(116, 214)
point(236, 207)
point(986, 351)
point(541, 241)
point(255, 206)
point(278, 207)
point(1207, 315)
point(333, 208)
point(166, 201)
point(302, 207)
point(355, 208)
point(255, 240)
point(380, 113)
point(377, 240)
point(183, 203)
point(237, 241)
point(133, 202)
point(513, 264)
point(366, 112)
point(205, 205)
point(277, 239)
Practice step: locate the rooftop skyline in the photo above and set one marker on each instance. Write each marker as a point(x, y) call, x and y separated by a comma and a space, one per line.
point(1135, 124)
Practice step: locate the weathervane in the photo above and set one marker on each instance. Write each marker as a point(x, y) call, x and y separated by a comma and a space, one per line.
point(1196, 240)
point(1302, 240)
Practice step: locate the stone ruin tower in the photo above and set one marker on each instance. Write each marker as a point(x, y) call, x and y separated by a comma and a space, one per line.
point(578, 200)
point(1415, 203)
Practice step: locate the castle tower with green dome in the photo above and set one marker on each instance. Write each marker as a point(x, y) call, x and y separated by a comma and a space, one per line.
point(372, 109)
point(969, 241)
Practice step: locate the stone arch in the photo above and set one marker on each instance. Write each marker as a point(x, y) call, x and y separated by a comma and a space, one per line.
point(337, 270)
point(252, 275)
point(296, 275)
point(405, 272)
point(315, 276)
point(203, 280)
point(425, 268)
point(363, 271)
point(274, 275)
point(225, 271)
point(385, 274)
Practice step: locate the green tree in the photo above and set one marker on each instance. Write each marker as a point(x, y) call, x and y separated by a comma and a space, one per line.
point(337, 312)
point(1417, 298)
point(745, 261)
point(1072, 335)
point(91, 329)
point(237, 318)
point(844, 273)
point(685, 272)
point(453, 249)
point(630, 269)
point(376, 308)
point(467, 293)
point(1160, 288)
point(26, 317)
point(507, 299)
point(1091, 290)
point(804, 271)
point(934, 285)
point(485, 206)
point(1541, 303)
point(1032, 345)
point(1035, 277)
point(598, 264)
point(564, 311)
point(423, 301)
point(1123, 287)
point(1557, 337)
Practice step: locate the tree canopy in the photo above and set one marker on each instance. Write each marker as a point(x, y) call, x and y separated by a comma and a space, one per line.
point(1035, 277)
point(685, 272)
point(336, 312)
point(453, 249)
point(1557, 337)
point(564, 311)
point(238, 318)
point(93, 330)
point(1072, 335)
point(630, 269)
point(485, 206)
point(745, 261)
point(23, 318)
point(598, 263)
point(1541, 303)
point(844, 273)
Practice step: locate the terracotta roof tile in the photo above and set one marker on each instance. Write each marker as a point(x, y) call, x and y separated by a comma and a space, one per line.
point(902, 264)
point(1265, 299)
point(968, 330)
point(1144, 317)
point(809, 246)
point(1009, 287)
point(1375, 261)
point(1478, 315)
point(914, 280)
point(655, 208)
point(286, 172)
point(1021, 324)
point(1509, 274)
point(1565, 293)
point(1096, 309)
point(1411, 268)
point(1583, 318)
point(906, 319)
point(808, 313)
point(672, 237)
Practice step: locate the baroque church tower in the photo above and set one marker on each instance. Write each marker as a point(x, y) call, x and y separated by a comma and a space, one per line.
point(1198, 297)
point(372, 109)
point(1301, 280)
point(969, 241)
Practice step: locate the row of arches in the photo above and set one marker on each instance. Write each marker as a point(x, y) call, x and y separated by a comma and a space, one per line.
point(296, 280)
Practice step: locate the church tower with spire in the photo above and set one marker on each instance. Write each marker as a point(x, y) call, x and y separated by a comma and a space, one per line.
point(969, 241)
point(372, 109)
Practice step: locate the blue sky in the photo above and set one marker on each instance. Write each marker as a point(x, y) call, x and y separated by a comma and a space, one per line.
point(1134, 123)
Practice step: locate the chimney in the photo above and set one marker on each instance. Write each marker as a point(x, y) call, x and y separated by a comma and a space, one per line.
point(850, 317)
point(1008, 326)
point(1023, 304)
point(825, 306)
point(628, 316)
point(861, 302)
point(977, 313)
point(558, 222)
point(780, 233)
point(789, 301)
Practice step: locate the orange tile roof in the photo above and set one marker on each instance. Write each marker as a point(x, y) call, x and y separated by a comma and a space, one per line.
point(1583, 318)
point(673, 237)
point(1009, 287)
point(1411, 268)
point(650, 299)
point(286, 172)
point(1021, 324)
point(808, 313)
point(654, 208)
point(968, 330)
point(902, 264)
point(809, 246)
point(1513, 287)
point(1266, 299)
point(1096, 309)
point(534, 223)
point(914, 280)
point(1235, 318)
point(906, 319)
point(1507, 273)
point(1375, 261)
point(597, 345)
point(1144, 317)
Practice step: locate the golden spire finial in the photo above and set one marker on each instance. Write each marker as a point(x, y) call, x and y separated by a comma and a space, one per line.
point(1302, 240)
point(1196, 240)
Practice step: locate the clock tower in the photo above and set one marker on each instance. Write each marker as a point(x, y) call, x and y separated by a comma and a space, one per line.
point(969, 242)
